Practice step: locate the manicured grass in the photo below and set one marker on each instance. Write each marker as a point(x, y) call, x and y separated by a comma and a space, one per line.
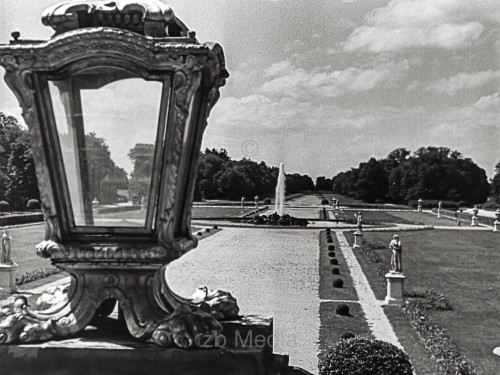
point(326, 289)
point(378, 217)
point(333, 326)
point(463, 265)
point(425, 218)
point(24, 240)
point(349, 201)
point(205, 212)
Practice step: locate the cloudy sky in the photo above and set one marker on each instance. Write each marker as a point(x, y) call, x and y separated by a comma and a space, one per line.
point(325, 85)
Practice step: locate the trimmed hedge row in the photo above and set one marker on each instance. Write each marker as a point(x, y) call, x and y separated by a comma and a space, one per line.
point(38, 274)
point(21, 219)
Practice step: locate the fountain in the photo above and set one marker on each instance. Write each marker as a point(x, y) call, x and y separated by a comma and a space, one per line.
point(279, 203)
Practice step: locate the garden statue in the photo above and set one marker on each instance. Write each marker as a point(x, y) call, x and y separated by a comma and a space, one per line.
point(6, 249)
point(419, 205)
point(256, 201)
point(439, 209)
point(475, 219)
point(395, 246)
point(242, 201)
point(359, 221)
point(496, 223)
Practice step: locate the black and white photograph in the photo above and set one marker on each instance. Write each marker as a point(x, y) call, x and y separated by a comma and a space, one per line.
point(253, 187)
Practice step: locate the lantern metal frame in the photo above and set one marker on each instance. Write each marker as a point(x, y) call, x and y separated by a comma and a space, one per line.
point(126, 264)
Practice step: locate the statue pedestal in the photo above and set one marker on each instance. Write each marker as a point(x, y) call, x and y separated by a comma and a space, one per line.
point(496, 226)
point(244, 347)
point(8, 277)
point(474, 222)
point(395, 282)
point(358, 240)
point(439, 213)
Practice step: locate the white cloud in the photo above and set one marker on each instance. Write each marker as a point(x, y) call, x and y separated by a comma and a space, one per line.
point(489, 103)
point(289, 80)
point(463, 81)
point(406, 24)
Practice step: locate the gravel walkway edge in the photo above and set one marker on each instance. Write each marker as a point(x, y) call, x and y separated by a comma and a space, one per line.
point(374, 313)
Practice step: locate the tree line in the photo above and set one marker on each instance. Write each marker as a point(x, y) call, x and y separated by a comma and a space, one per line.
point(428, 173)
point(220, 177)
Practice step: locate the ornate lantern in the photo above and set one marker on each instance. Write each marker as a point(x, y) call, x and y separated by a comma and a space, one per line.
point(120, 84)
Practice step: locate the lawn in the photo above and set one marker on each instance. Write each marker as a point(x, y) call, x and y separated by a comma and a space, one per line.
point(463, 265)
point(349, 201)
point(380, 217)
point(24, 240)
point(205, 212)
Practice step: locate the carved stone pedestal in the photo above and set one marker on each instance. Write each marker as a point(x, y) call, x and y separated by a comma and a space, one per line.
point(496, 226)
point(358, 239)
point(395, 282)
point(245, 348)
point(8, 277)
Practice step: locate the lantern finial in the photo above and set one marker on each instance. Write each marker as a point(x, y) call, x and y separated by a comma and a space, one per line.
point(147, 17)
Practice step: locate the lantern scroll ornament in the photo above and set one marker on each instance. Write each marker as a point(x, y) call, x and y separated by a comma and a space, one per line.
point(69, 89)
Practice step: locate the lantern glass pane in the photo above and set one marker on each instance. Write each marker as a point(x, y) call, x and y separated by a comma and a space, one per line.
point(107, 121)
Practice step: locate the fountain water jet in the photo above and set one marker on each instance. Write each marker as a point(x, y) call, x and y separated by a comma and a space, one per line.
point(279, 203)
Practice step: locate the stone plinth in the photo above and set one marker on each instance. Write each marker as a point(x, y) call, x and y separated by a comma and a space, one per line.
point(496, 226)
point(395, 281)
point(358, 239)
point(8, 277)
point(245, 347)
point(439, 212)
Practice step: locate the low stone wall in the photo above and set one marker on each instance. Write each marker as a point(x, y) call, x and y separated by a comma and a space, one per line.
point(21, 219)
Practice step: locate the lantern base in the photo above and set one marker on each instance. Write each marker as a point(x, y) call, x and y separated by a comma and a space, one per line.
point(150, 309)
point(245, 348)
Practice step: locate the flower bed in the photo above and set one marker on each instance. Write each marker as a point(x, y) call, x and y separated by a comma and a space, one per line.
point(435, 339)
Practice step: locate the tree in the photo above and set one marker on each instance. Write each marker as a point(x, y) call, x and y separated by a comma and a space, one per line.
point(372, 183)
point(495, 184)
point(142, 155)
point(18, 181)
point(323, 183)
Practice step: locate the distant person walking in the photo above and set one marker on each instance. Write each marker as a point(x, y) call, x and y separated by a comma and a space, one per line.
point(396, 262)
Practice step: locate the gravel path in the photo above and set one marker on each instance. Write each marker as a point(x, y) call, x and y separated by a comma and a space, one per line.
point(375, 316)
point(271, 272)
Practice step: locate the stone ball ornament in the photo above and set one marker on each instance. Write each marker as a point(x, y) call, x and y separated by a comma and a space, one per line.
point(107, 62)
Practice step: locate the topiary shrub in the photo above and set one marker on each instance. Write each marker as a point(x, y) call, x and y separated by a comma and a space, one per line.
point(347, 335)
point(33, 204)
point(336, 271)
point(338, 283)
point(329, 240)
point(267, 201)
point(331, 254)
point(334, 262)
point(207, 230)
point(199, 234)
point(331, 247)
point(328, 230)
point(342, 309)
point(215, 226)
point(365, 356)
